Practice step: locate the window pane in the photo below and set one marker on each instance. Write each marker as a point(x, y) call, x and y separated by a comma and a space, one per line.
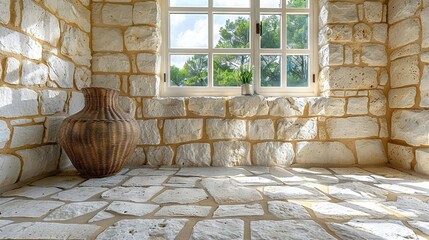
point(297, 70)
point(270, 70)
point(271, 25)
point(231, 31)
point(189, 70)
point(189, 3)
point(296, 3)
point(232, 3)
point(271, 3)
point(189, 31)
point(297, 31)
point(224, 67)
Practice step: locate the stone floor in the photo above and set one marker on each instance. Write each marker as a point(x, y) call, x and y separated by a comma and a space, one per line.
point(221, 203)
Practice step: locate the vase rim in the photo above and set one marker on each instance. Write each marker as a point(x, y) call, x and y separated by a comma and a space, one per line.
point(87, 89)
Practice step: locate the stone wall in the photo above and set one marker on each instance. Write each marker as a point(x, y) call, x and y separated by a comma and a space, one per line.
point(45, 59)
point(409, 93)
point(345, 125)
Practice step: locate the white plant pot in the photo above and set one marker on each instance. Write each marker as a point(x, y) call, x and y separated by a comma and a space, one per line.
point(247, 89)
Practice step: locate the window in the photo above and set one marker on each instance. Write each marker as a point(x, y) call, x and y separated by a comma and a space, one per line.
point(205, 41)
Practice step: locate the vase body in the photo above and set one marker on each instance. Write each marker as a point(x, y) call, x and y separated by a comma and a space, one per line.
point(247, 89)
point(101, 138)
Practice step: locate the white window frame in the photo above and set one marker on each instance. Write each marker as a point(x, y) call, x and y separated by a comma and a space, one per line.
point(254, 51)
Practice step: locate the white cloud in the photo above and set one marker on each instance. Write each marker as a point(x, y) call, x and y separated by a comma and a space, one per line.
point(195, 37)
point(232, 3)
point(271, 3)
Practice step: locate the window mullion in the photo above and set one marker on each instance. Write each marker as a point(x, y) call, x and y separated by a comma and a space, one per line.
point(210, 50)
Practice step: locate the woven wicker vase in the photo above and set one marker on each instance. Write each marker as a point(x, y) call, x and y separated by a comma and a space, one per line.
point(101, 138)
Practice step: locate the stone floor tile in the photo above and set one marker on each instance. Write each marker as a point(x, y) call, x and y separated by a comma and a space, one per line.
point(151, 172)
point(183, 211)
point(294, 192)
point(143, 181)
point(399, 188)
point(64, 182)
point(181, 196)
point(5, 222)
point(257, 170)
point(288, 229)
point(372, 229)
point(357, 191)
point(213, 172)
point(288, 210)
point(104, 182)
point(131, 209)
point(320, 179)
point(5, 200)
point(221, 229)
point(224, 192)
point(292, 180)
point(422, 226)
point(398, 179)
point(186, 182)
point(318, 171)
point(32, 192)
point(410, 207)
point(239, 210)
point(255, 181)
point(74, 210)
point(356, 178)
point(280, 172)
point(28, 208)
point(100, 216)
point(43, 230)
point(349, 210)
point(144, 229)
point(78, 194)
point(134, 194)
point(386, 171)
point(350, 171)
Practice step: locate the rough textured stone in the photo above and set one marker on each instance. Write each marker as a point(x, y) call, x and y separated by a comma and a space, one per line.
point(18, 43)
point(410, 127)
point(357, 191)
point(373, 11)
point(357, 106)
point(182, 130)
point(226, 128)
point(183, 211)
point(64, 182)
point(80, 14)
point(17, 102)
point(422, 158)
point(224, 192)
point(33, 73)
point(144, 85)
point(39, 161)
point(159, 156)
point(404, 32)
point(131, 209)
point(400, 156)
point(78, 194)
point(245, 106)
point(104, 182)
point(27, 135)
point(326, 106)
point(287, 210)
point(207, 106)
point(377, 103)
point(106, 81)
point(41, 230)
point(212, 172)
point(231, 153)
point(297, 128)
point(348, 78)
point(404, 71)
point(128, 105)
point(5, 11)
point(379, 32)
point(352, 127)
point(422, 226)
point(133, 194)
point(335, 33)
point(370, 152)
point(294, 192)
point(424, 16)
point(194, 155)
point(338, 12)
point(261, 129)
point(287, 106)
point(288, 229)
point(403, 204)
point(77, 103)
point(331, 54)
point(149, 132)
point(82, 76)
point(424, 87)
point(164, 107)
point(142, 38)
point(326, 152)
point(10, 166)
point(107, 39)
point(273, 153)
point(399, 10)
point(28, 208)
point(75, 44)
point(116, 14)
point(74, 210)
point(149, 62)
point(111, 62)
point(402, 97)
point(61, 71)
point(405, 51)
point(147, 13)
point(181, 196)
point(4, 134)
point(12, 71)
point(374, 54)
point(232, 229)
point(53, 101)
point(142, 181)
point(362, 32)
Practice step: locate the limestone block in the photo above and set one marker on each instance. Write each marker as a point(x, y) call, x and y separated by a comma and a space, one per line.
point(320, 106)
point(4, 134)
point(362, 32)
point(52, 127)
point(61, 71)
point(106, 81)
point(40, 23)
point(404, 32)
point(18, 102)
point(138, 158)
point(96, 13)
point(424, 87)
point(182, 130)
point(164, 107)
point(287, 106)
point(27, 135)
point(273, 154)
point(142, 38)
point(12, 71)
point(424, 16)
point(248, 106)
point(193, 155)
point(149, 62)
point(377, 103)
point(9, 168)
point(107, 39)
point(410, 126)
point(379, 32)
point(4, 13)
point(149, 132)
point(370, 152)
point(374, 54)
point(400, 156)
point(348, 78)
point(399, 9)
point(231, 153)
point(77, 102)
point(352, 127)
point(424, 57)
point(339, 12)
point(117, 14)
point(405, 51)
point(71, 12)
point(261, 129)
point(326, 152)
point(207, 106)
point(226, 128)
point(335, 33)
point(297, 128)
point(331, 54)
point(422, 158)
point(144, 85)
point(373, 11)
point(111, 62)
point(159, 156)
point(33, 73)
point(18, 43)
point(404, 72)
point(147, 13)
point(38, 161)
point(357, 105)
point(75, 44)
point(128, 105)
point(53, 101)
point(82, 77)
point(402, 97)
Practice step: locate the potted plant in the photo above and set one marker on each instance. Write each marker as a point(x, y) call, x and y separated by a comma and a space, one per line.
point(245, 77)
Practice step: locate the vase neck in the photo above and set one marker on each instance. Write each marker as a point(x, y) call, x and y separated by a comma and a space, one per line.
point(96, 98)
